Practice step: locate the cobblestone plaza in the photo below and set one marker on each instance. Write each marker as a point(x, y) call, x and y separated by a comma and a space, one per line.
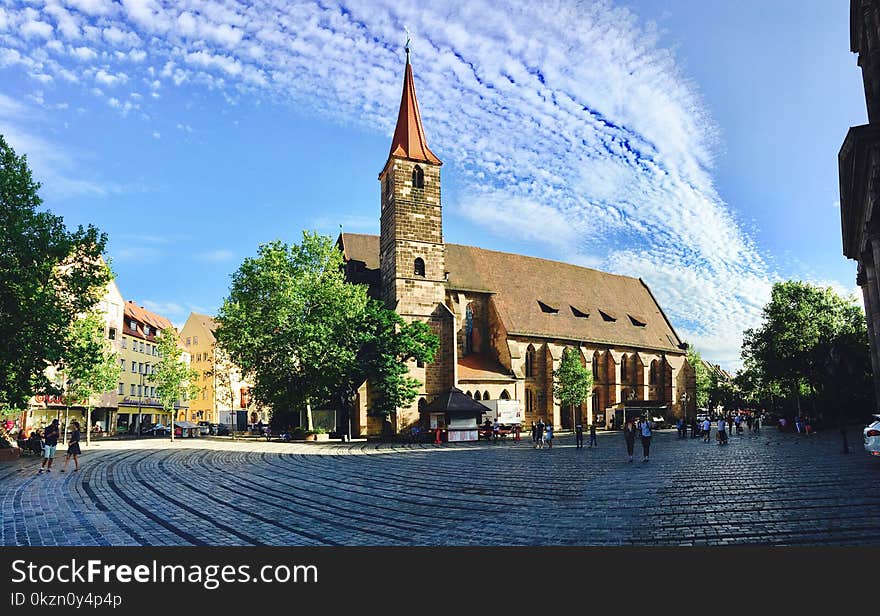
point(770, 488)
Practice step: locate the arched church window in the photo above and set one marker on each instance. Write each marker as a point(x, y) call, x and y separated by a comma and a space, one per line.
point(505, 395)
point(530, 361)
point(652, 377)
point(478, 396)
point(623, 369)
point(595, 368)
point(418, 177)
point(468, 330)
point(469, 394)
point(485, 395)
point(419, 267)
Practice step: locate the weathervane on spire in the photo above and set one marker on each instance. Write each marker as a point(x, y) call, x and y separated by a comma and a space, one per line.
point(408, 36)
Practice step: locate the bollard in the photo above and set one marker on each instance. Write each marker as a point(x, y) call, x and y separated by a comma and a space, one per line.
point(437, 438)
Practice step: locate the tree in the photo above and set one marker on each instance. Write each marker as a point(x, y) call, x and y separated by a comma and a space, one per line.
point(90, 365)
point(702, 377)
point(303, 334)
point(386, 344)
point(572, 382)
point(48, 276)
point(789, 353)
point(174, 379)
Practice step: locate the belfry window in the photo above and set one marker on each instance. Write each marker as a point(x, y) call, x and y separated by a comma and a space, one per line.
point(418, 177)
point(419, 267)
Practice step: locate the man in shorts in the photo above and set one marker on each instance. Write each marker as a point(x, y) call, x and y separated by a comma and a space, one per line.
point(50, 436)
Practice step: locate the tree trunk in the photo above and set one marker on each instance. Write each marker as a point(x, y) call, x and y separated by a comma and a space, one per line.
point(89, 425)
point(308, 415)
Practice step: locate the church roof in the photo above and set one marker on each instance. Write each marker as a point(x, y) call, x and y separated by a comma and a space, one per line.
point(548, 299)
point(482, 367)
point(409, 136)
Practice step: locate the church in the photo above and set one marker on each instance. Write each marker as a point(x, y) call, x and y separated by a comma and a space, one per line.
point(503, 319)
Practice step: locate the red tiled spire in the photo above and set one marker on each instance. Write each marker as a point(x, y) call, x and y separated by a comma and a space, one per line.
point(409, 136)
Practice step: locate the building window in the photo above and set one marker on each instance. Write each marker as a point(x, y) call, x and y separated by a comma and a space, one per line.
point(121, 389)
point(652, 377)
point(478, 396)
point(112, 333)
point(134, 367)
point(188, 341)
point(124, 342)
point(418, 177)
point(132, 390)
point(122, 364)
point(133, 325)
point(419, 267)
point(530, 361)
point(142, 347)
point(195, 339)
point(468, 330)
point(623, 374)
point(505, 395)
point(595, 367)
point(140, 391)
point(485, 395)
point(469, 394)
point(146, 330)
point(530, 402)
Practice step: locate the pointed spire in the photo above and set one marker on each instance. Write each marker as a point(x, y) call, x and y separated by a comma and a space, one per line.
point(409, 135)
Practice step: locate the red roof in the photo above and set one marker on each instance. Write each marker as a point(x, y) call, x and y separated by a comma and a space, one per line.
point(142, 315)
point(409, 136)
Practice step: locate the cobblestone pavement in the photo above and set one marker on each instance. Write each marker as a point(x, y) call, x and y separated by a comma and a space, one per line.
point(770, 488)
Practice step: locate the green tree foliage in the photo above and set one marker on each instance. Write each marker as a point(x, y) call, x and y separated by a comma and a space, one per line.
point(572, 382)
point(48, 276)
point(704, 379)
point(304, 335)
point(788, 354)
point(90, 365)
point(174, 379)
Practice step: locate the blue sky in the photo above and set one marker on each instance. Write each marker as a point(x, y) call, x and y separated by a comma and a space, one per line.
point(691, 143)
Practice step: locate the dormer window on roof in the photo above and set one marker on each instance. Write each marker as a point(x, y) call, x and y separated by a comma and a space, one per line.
point(547, 308)
point(607, 317)
point(578, 313)
point(636, 321)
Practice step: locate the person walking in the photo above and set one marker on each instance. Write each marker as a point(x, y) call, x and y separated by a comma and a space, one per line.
point(757, 423)
point(50, 437)
point(579, 436)
point(629, 435)
point(548, 435)
point(707, 430)
point(534, 433)
point(738, 421)
point(730, 424)
point(73, 449)
point(645, 433)
point(593, 441)
point(539, 443)
point(722, 432)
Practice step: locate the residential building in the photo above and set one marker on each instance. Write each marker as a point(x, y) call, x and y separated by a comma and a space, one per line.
point(224, 396)
point(138, 356)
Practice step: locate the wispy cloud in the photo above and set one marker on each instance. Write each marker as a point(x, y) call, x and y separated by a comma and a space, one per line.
point(568, 125)
point(216, 256)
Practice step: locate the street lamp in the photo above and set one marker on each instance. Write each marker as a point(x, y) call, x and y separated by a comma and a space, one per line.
point(684, 401)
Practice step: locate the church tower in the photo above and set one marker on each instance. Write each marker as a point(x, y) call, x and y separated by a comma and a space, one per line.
point(412, 256)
